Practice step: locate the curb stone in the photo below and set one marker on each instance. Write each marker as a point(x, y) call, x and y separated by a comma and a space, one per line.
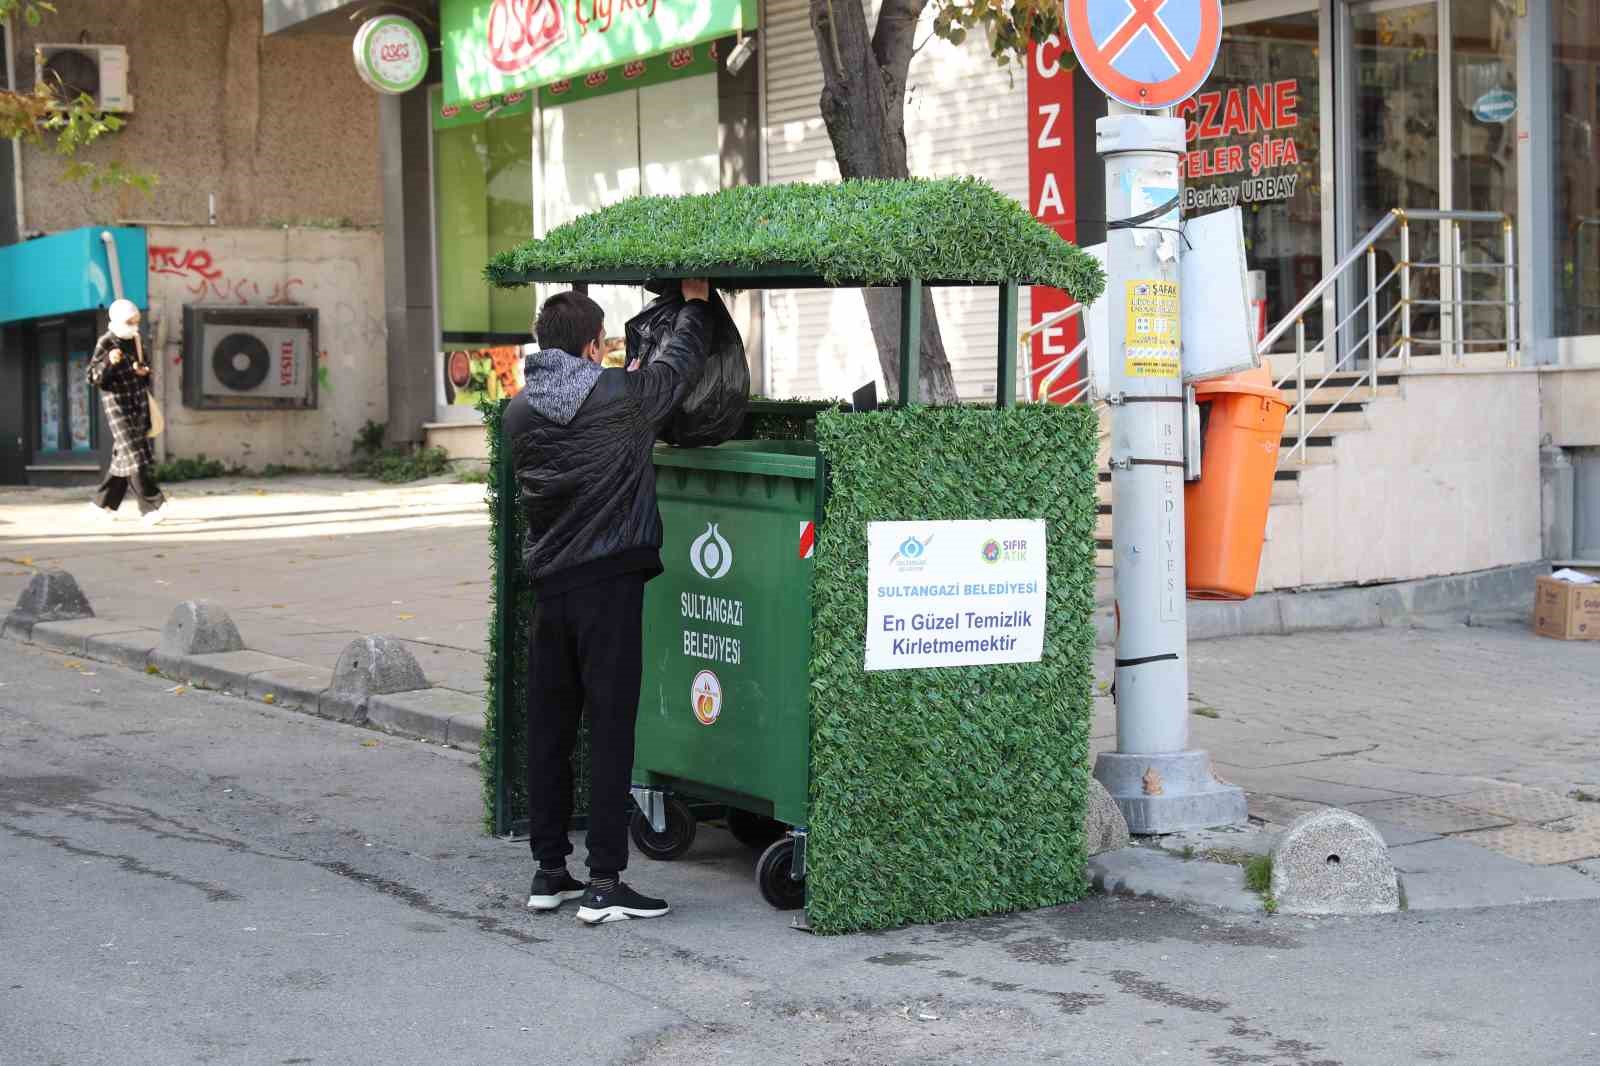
point(73, 637)
point(131, 648)
point(226, 671)
point(428, 713)
point(441, 715)
point(1140, 871)
point(296, 687)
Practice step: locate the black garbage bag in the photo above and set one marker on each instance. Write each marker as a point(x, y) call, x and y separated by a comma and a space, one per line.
point(715, 408)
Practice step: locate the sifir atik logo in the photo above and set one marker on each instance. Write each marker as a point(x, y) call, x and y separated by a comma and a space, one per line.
point(1007, 551)
point(710, 554)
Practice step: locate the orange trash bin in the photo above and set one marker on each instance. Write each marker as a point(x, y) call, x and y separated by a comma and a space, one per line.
point(1225, 512)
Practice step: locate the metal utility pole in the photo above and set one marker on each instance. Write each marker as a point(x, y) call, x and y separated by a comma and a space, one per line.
point(1159, 782)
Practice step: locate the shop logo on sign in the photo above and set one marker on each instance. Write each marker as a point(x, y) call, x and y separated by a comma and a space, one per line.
point(705, 696)
point(520, 31)
point(710, 554)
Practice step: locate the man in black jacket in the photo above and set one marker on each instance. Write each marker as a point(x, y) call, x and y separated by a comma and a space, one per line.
point(581, 438)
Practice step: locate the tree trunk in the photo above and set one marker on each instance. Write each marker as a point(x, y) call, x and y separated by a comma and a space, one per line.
point(864, 107)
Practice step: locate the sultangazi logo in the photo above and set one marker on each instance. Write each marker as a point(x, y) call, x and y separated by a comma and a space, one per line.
point(711, 555)
point(520, 31)
point(911, 555)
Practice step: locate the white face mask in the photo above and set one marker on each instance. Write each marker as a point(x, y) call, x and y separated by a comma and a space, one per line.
point(125, 330)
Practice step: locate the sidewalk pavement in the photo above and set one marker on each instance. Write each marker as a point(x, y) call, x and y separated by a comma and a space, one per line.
point(1466, 746)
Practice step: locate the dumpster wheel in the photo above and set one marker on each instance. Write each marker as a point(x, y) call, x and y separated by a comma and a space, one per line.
point(672, 842)
point(772, 877)
point(754, 830)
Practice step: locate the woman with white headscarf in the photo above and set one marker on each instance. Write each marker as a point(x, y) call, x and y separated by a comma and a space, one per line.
point(118, 369)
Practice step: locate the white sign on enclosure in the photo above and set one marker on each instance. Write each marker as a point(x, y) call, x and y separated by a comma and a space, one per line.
point(955, 593)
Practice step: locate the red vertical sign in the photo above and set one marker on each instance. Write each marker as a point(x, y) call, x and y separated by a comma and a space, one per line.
point(1052, 194)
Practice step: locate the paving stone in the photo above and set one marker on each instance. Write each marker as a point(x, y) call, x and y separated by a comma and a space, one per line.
point(1428, 815)
point(1396, 835)
point(1520, 804)
point(1333, 862)
point(1448, 873)
point(1280, 781)
point(1279, 810)
point(1547, 845)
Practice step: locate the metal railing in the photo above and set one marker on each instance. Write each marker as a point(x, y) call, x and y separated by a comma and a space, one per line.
point(1390, 339)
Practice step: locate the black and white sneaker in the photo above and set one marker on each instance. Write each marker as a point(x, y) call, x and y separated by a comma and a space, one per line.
point(552, 888)
point(618, 904)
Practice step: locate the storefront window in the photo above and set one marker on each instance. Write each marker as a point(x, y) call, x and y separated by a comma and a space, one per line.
point(659, 140)
point(1254, 138)
point(1395, 138)
point(1575, 115)
point(1484, 104)
point(483, 177)
point(66, 400)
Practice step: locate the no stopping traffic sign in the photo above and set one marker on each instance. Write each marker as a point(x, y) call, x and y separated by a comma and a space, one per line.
point(1146, 53)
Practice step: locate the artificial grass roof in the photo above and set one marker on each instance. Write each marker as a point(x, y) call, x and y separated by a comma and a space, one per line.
point(955, 231)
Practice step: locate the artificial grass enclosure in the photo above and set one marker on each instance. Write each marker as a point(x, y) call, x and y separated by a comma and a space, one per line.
point(850, 233)
point(949, 793)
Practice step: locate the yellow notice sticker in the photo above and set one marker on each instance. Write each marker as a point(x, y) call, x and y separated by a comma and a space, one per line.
point(1152, 340)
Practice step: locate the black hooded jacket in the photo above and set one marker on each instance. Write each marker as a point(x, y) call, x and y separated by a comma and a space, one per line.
point(581, 440)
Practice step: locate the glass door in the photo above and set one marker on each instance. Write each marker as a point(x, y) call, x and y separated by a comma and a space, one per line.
point(1392, 159)
point(1427, 98)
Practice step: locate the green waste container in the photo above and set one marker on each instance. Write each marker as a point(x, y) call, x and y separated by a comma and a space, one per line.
point(724, 711)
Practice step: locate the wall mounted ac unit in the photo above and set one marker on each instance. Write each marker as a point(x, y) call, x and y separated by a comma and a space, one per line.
point(249, 358)
point(71, 70)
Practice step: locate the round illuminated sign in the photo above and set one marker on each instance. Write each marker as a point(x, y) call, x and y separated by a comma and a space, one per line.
point(391, 54)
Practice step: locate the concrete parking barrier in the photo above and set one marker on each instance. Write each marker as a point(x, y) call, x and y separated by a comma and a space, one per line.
point(51, 596)
point(1332, 861)
point(370, 666)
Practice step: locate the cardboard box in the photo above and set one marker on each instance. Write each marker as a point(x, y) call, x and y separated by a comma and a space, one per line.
point(1566, 611)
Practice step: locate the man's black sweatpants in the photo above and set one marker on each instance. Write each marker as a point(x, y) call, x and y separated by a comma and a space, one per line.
point(585, 655)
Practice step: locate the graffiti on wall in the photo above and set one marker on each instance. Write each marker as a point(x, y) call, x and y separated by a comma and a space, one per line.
point(205, 280)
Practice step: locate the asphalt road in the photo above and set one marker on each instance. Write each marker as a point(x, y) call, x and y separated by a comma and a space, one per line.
point(191, 878)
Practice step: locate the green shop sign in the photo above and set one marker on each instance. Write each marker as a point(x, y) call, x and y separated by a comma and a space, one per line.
point(493, 47)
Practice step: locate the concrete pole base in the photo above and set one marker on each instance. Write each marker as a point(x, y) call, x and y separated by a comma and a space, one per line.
point(1170, 792)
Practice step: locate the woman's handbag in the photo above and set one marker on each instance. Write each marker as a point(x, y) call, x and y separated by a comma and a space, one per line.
point(158, 422)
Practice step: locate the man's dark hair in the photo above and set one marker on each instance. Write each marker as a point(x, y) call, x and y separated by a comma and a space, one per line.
point(569, 321)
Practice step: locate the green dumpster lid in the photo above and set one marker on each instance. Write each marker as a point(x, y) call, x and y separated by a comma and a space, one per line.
point(780, 458)
point(954, 231)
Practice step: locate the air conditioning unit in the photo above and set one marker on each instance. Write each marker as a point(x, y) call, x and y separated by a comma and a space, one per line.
point(72, 70)
point(249, 358)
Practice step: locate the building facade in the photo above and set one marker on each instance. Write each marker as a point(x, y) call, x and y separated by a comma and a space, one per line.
point(266, 205)
point(1323, 118)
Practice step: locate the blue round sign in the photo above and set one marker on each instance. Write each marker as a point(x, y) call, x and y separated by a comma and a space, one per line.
point(1496, 105)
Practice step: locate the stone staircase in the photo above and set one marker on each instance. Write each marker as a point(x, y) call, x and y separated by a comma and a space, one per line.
point(1346, 417)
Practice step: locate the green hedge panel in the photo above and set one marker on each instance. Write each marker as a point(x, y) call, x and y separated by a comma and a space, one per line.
point(949, 793)
point(850, 233)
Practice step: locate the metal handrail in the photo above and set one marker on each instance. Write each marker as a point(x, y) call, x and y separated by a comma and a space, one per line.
point(1453, 269)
